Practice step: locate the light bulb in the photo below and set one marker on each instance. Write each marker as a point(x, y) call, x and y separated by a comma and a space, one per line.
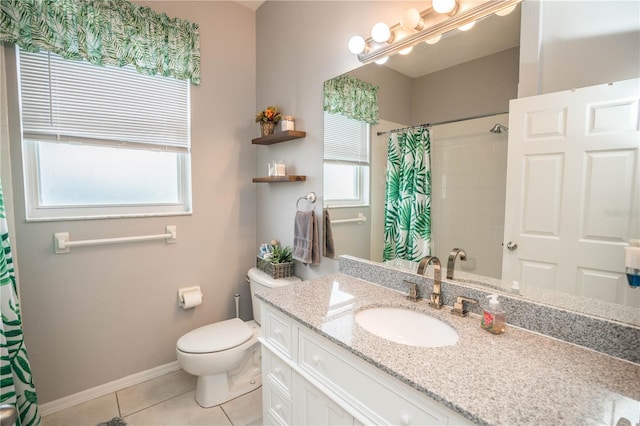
point(411, 20)
point(443, 6)
point(506, 11)
point(381, 32)
point(467, 27)
point(382, 61)
point(434, 40)
point(406, 51)
point(356, 45)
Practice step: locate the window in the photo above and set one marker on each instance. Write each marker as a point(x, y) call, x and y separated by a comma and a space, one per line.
point(346, 161)
point(102, 141)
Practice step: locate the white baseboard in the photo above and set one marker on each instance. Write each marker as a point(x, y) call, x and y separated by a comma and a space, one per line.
point(107, 388)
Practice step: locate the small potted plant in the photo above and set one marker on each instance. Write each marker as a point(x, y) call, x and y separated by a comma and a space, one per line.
point(268, 119)
point(281, 254)
point(278, 263)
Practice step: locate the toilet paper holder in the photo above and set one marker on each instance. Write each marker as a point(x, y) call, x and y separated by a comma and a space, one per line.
point(184, 290)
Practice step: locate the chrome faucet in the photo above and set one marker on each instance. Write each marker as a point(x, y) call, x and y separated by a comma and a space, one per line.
point(452, 260)
point(435, 301)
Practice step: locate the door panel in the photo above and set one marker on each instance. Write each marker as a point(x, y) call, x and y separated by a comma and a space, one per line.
point(543, 193)
point(573, 190)
point(604, 170)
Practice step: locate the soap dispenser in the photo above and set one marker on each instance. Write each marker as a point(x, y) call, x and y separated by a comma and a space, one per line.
point(493, 318)
point(632, 263)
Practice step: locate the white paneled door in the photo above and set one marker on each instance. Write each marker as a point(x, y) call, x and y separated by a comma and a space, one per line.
point(573, 190)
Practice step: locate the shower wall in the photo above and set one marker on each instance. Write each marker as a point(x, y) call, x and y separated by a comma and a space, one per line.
point(469, 167)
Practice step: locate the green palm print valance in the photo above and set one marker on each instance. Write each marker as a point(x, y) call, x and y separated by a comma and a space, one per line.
point(114, 32)
point(352, 98)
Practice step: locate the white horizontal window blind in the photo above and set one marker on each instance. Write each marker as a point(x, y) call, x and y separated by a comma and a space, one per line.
point(345, 139)
point(346, 161)
point(69, 100)
point(102, 141)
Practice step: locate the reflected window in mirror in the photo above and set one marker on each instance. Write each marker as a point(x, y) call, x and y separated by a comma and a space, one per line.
point(346, 161)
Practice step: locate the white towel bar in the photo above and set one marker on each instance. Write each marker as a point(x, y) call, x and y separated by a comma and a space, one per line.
point(360, 219)
point(63, 245)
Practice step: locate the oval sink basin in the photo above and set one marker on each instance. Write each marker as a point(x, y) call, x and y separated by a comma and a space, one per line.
point(407, 327)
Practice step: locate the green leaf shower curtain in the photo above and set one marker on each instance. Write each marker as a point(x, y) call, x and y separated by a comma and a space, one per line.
point(407, 221)
point(115, 32)
point(15, 372)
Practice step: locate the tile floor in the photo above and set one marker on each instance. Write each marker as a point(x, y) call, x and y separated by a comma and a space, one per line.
point(166, 400)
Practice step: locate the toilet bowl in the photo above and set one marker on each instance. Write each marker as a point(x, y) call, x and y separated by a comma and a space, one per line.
point(226, 355)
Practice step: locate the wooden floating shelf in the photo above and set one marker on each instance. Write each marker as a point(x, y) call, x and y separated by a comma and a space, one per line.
point(270, 179)
point(279, 137)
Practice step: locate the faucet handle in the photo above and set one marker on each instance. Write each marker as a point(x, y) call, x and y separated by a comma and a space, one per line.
point(458, 306)
point(413, 290)
point(435, 301)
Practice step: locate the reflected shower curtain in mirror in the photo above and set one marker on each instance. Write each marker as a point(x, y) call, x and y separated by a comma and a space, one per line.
point(15, 371)
point(407, 222)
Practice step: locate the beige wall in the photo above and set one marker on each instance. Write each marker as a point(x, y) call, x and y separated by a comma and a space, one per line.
point(101, 313)
point(482, 86)
point(570, 44)
point(599, 44)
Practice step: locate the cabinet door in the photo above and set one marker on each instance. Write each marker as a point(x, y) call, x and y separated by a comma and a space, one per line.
point(276, 393)
point(314, 408)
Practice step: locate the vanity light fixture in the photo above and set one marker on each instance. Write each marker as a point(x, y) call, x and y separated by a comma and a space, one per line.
point(406, 51)
point(417, 27)
point(434, 40)
point(382, 61)
point(412, 20)
point(381, 33)
point(445, 6)
point(357, 45)
point(506, 11)
point(467, 27)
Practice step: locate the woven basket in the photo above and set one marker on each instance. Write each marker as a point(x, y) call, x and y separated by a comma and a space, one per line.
point(276, 270)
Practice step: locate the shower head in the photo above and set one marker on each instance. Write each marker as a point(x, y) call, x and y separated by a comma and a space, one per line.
point(499, 128)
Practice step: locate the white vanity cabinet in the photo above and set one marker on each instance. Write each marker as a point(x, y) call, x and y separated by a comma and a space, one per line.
point(309, 380)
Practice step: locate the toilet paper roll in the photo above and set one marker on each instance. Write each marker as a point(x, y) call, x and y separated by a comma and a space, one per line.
point(191, 299)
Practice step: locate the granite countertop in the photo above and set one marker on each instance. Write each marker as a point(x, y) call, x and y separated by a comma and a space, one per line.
point(515, 378)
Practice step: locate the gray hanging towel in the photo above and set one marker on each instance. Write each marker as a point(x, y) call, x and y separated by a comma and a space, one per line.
point(305, 238)
point(329, 248)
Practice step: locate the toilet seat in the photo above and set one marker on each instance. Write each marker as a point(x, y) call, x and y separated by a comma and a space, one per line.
point(215, 337)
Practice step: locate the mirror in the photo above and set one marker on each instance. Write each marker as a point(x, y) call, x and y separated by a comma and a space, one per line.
point(466, 74)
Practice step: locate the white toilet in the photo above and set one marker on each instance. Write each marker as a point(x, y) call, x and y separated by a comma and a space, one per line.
point(226, 355)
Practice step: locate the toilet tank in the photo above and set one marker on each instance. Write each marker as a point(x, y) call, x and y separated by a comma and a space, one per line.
point(259, 280)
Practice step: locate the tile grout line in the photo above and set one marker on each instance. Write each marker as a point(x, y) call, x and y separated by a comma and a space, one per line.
point(118, 404)
point(226, 415)
point(157, 403)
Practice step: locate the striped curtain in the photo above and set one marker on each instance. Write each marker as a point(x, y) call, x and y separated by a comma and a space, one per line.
point(407, 227)
point(15, 372)
point(114, 32)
